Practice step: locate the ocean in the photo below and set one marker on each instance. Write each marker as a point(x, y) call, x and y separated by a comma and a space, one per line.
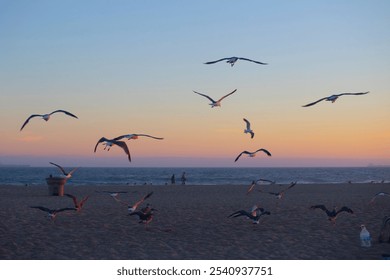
point(196, 176)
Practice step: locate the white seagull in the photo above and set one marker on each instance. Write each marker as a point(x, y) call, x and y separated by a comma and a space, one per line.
point(46, 117)
point(110, 142)
point(135, 136)
point(333, 98)
point(253, 154)
point(280, 194)
point(132, 208)
point(213, 102)
point(248, 128)
point(66, 174)
point(254, 215)
point(234, 59)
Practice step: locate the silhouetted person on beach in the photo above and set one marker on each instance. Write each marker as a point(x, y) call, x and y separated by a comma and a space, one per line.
point(183, 178)
point(173, 181)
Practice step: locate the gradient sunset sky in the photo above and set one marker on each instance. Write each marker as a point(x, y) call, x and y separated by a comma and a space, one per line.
point(131, 67)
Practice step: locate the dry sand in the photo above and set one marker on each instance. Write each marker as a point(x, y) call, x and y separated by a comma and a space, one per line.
point(192, 223)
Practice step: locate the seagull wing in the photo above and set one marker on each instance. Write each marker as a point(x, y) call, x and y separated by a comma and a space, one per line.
point(62, 169)
point(265, 151)
point(248, 124)
point(241, 213)
point(322, 207)
point(30, 117)
point(349, 93)
point(247, 59)
point(65, 112)
point(65, 209)
point(215, 61)
point(124, 147)
point(71, 172)
point(315, 102)
point(83, 200)
point(289, 187)
point(150, 136)
point(251, 187)
point(73, 198)
point(244, 152)
point(344, 209)
point(212, 100)
point(227, 95)
point(100, 141)
point(142, 200)
point(42, 208)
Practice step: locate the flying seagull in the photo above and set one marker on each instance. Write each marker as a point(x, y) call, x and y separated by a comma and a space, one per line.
point(378, 194)
point(135, 136)
point(253, 154)
point(78, 205)
point(213, 102)
point(66, 174)
point(110, 142)
point(279, 195)
point(53, 212)
point(144, 217)
point(332, 215)
point(248, 128)
point(234, 59)
point(113, 194)
point(254, 215)
point(132, 208)
point(46, 117)
point(333, 98)
point(254, 183)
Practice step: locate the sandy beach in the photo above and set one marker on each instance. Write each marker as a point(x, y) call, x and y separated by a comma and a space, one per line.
point(192, 223)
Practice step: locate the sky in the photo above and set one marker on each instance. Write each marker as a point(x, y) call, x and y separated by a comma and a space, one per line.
point(132, 66)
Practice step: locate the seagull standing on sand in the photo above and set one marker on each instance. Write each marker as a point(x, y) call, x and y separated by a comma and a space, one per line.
point(213, 102)
point(332, 215)
point(46, 117)
point(78, 205)
point(252, 154)
point(110, 142)
point(378, 194)
point(248, 128)
point(234, 59)
point(52, 213)
point(66, 174)
point(333, 98)
point(279, 195)
point(254, 215)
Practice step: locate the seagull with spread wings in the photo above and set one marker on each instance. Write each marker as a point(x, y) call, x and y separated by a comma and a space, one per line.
point(66, 174)
point(52, 213)
point(279, 195)
point(133, 207)
point(333, 98)
point(46, 117)
point(213, 102)
point(78, 205)
point(135, 136)
point(377, 195)
point(232, 60)
point(253, 154)
point(332, 215)
point(110, 142)
point(254, 215)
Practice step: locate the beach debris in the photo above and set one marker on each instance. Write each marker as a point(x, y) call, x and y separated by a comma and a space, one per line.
point(77, 204)
point(66, 174)
point(135, 136)
point(46, 117)
point(279, 195)
point(334, 97)
point(52, 213)
point(108, 143)
point(248, 128)
point(365, 237)
point(253, 154)
point(332, 215)
point(213, 102)
point(234, 59)
point(254, 214)
point(377, 195)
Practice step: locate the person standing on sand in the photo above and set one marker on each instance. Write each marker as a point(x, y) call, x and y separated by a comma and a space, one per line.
point(173, 181)
point(183, 178)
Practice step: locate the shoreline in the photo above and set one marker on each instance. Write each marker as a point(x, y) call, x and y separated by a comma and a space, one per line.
point(192, 223)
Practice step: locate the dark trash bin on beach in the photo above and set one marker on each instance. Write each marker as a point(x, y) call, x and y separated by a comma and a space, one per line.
point(56, 185)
